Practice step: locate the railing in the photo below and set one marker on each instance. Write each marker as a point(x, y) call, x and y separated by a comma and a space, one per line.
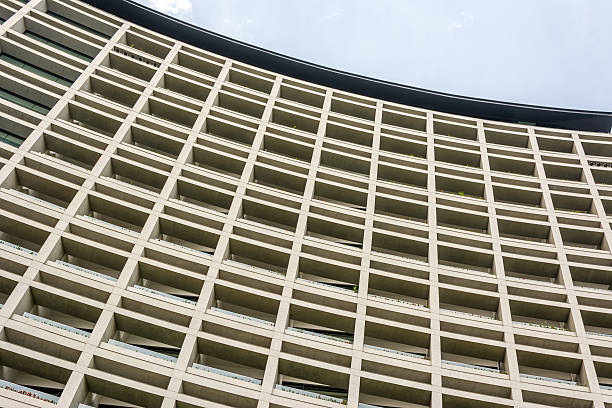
point(402, 353)
point(326, 285)
point(600, 334)
point(60, 161)
point(40, 200)
point(535, 281)
point(26, 250)
point(242, 316)
point(227, 373)
point(474, 366)
point(546, 326)
point(169, 296)
point(257, 268)
point(56, 324)
point(181, 246)
point(486, 271)
point(128, 185)
point(404, 258)
point(557, 380)
point(109, 224)
point(30, 392)
point(405, 302)
point(310, 394)
point(136, 57)
point(602, 290)
point(85, 270)
point(467, 314)
point(325, 336)
point(143, 350)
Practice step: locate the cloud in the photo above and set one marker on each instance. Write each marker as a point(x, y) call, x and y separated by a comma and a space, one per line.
point(332, 15)
point(466, 19)
point(178, 8)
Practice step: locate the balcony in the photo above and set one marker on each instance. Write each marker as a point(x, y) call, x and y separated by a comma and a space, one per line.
point(30, 392)
point(242, 316)
point(353, 289)
point(550, 368)
point(407, 292)
point(148, 338)
point(311, 394)
point(57, 324)
point(85, 270)
point(99, 392)
point(226, 373)
point(486, 356)
point(597, 323)
point(269, 216)
point(336, 326)
point(325, 334)
point(468, 303)
point(542, 316)
point(398, 352)
point(85, 115)
point(146, 351)
point(379, 393)
point(18, 247)
point(266, 257)
point(551, 379)
point(84, 258)
point(472, 366)
point(109, 225)
point(199, 235)
point(165, 295)
point(333, 192)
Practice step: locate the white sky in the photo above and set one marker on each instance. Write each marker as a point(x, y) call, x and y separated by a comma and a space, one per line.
point(542, 52)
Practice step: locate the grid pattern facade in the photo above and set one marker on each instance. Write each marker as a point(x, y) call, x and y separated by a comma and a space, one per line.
point(181, 230)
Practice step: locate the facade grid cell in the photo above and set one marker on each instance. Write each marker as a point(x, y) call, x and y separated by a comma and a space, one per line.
point(182, 229)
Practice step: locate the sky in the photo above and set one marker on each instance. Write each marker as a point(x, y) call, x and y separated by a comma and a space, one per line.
point(545, 52)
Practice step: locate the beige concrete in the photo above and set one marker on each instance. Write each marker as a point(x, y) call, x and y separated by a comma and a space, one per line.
point(427, 259)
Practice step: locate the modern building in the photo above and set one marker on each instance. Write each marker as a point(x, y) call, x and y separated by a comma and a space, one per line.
point(189, 221)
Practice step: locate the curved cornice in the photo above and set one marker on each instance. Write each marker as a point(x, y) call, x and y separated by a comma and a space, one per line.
point(571, 119)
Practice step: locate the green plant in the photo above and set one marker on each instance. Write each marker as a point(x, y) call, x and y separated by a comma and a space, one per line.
point(461, 193)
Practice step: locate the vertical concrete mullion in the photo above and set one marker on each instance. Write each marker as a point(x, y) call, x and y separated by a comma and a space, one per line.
point(504, 312)
point(435, 345)
point(597, 203)
point(588, 365)
point(284, 310)
point(362, 295)
point(576, 318)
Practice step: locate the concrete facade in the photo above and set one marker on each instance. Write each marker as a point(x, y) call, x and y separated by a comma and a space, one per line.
point(180, 229)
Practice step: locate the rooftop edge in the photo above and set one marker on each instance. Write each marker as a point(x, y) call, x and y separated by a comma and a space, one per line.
point(569, 119)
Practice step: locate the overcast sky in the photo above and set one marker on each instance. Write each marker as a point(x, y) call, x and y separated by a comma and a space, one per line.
point(544, 52)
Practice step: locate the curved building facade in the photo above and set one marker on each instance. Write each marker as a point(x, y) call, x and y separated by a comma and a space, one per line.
point(188, 221)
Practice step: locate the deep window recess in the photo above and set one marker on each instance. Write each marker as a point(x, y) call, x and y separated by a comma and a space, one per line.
point(79, 25)
point(35, 69)
point(26, 103)
point(10, 138)
point(58, 46)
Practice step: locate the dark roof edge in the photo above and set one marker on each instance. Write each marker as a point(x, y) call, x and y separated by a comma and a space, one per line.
point(570, 119)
